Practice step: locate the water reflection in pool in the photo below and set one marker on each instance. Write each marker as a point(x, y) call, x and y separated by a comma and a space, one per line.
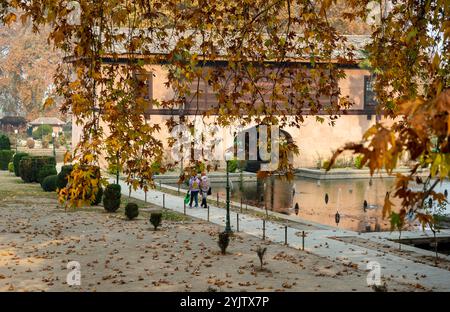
point(344, 196)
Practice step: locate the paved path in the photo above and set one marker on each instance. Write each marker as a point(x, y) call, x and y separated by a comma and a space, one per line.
point(319, 242)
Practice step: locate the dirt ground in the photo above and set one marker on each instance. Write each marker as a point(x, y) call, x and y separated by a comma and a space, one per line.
point(38, 238)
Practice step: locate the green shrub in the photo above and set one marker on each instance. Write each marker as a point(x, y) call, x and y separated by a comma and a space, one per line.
point(45, 171)
point(358, 161)
point(25, 168)
point(42, 131)
point(233, 165)
point(131, 211)
point(63, 176)
point(5, 144)
point(155, 219)
point(111, 197)
point(11, 167)
point(16, 160)
point(224, 241)
point(49, 183)
point(30, 166)
point(5, 158)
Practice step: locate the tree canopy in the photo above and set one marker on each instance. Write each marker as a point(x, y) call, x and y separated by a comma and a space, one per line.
point(408, 56)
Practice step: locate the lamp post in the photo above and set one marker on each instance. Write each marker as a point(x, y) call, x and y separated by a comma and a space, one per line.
point(227, 225)
point(16, 132)
point(53, 143)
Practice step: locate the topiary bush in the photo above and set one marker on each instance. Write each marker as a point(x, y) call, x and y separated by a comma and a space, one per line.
point(11, 167)
point(45, 143)
point(63, 176)
point(224, 241)
point(49, 183)
point(16, 160)
point(30, 166)
point(156, 219)
point(111, 197)
point(45, 171)
point(30, 143)
point(131, 211)
point(5, 144)
point(5, 158)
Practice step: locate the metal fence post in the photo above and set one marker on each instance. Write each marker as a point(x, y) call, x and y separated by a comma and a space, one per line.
point(164, 200)
point(303, 240)
point(264, 229)
point(241, 204)
point(217, 199)
point(285, 234)
point(208, 214)
point(184, 207)
point(237, 222)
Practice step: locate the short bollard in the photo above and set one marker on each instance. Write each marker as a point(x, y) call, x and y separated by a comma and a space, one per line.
point(303, 240)
point(241, 204)
point(145, 196)
point(207, 217)
point(237, 222)
point(264, 230)
point(164, 201)
point(285, 235)
point(178, 189)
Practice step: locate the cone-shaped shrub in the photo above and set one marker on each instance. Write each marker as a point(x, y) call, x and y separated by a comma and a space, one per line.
point(131, 211)
point(111, 197)
point(155, 219)
point(224, 240)
point(11, 167)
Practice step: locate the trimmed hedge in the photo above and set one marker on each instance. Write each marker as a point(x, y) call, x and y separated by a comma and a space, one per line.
point(16, 160)
point(63, 176)
point(5, 158)
point(111, 197)
point(5, 144)
point(49, 183)
point(45, 171)
point(31, 165)
point(131, 211)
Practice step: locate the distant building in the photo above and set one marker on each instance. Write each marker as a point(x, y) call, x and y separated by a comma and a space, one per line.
point(54, 122)
point(10, 123)
point(316, 140)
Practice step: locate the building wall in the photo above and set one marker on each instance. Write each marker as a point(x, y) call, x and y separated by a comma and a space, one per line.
point(315, 140)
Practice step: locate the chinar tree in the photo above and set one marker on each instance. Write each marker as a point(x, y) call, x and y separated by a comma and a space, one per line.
point(408, 55)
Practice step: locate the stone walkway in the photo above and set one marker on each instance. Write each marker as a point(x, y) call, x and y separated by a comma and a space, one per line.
point(319, 241)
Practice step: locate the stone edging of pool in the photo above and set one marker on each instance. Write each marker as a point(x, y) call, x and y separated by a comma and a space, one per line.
point(349, 173)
